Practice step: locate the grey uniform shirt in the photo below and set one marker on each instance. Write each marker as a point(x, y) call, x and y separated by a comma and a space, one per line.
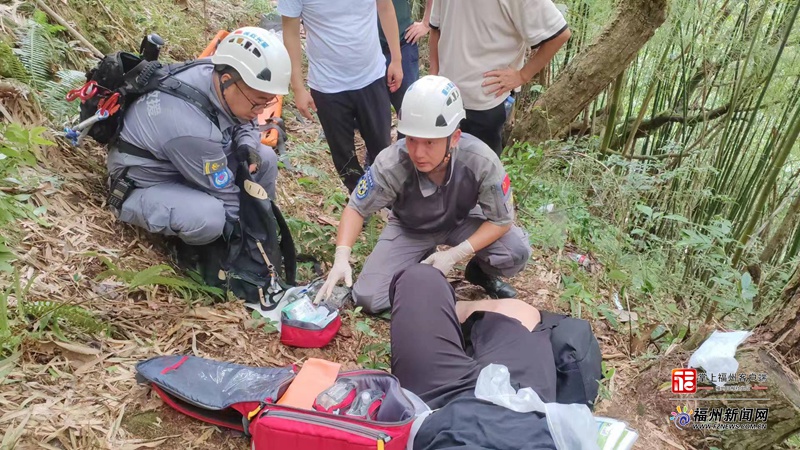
point(191, 149)
point(475, 177)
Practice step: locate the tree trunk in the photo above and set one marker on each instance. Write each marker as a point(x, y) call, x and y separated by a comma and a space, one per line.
point(591, 71)
point(784, 326)
point(778, 240)
point(781, 399)
point(783, 392)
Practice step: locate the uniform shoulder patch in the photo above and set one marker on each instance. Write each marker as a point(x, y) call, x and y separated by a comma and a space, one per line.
point(214, 165)
point(221, 178)
point(365, 185)
point(505, 190)
point(505, 185)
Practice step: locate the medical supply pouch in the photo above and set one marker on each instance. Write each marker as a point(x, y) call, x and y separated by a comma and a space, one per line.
point(247, 398)
point(278, 427)
point(306, 325)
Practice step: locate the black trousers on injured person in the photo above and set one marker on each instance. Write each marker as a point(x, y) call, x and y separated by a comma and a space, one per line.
point(439, 359)
point(339, 112)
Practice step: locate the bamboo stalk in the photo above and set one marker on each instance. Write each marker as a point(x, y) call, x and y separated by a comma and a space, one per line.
point(612, 112)
point(777, 166)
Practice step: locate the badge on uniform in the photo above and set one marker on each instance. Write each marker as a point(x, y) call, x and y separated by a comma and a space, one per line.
point(364, 185)
point(221, 178)
point(214, 165)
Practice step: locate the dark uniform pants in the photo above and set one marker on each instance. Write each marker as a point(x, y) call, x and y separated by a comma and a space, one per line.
point(439, 359)
point(177, 209)
point(398, 249)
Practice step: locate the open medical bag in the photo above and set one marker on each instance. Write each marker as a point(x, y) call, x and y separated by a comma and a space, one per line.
point(246, 399)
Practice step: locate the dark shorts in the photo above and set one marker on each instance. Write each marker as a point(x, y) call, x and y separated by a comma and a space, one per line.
point(439, 359)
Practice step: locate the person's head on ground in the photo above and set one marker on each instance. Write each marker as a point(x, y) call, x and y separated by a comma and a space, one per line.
point(252, 69)
point(430, 116)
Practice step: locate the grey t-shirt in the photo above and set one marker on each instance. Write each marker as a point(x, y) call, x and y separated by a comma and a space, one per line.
point(475, 177)
point(190, 148)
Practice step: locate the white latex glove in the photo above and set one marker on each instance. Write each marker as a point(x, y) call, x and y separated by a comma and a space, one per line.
point(445, 260)
point(341, 269)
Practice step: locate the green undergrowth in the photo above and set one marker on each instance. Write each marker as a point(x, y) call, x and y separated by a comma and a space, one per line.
point(574, 205)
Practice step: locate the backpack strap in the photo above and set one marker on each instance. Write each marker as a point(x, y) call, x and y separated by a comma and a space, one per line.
point(288, 250)
point(150, 76)
point(171, 85)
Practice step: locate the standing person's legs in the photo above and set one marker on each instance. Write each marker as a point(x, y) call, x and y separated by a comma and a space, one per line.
point(410, 54)
point(373, 112)
point(487, 126)
point(427, 345)
point(395, 250)
point(336, 113)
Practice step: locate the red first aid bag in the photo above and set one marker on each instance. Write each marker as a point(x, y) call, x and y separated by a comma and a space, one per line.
point(246, 398)
point(278, 427)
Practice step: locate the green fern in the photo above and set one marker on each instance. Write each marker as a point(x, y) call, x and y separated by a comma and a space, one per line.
point(55, 315)
point(55, 93)
point(38, 52)
point(158, 275)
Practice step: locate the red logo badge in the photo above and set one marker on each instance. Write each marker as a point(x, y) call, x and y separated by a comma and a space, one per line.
point(684, 381)
point(506, 184)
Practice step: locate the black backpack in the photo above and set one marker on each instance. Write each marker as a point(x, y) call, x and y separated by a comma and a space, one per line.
point(129, 77)
point(577, 356)
point(261, 259)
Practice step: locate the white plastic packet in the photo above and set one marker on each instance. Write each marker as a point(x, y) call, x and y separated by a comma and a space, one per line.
point(716, 354)
point(572, 426)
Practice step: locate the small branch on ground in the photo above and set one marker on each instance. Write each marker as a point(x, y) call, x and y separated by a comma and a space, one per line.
point(70, 29)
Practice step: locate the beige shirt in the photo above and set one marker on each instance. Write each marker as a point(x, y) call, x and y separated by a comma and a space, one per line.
point(482, 35)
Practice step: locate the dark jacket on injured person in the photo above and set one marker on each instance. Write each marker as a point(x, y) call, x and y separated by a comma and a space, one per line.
point(193, 155)
point(475, 176)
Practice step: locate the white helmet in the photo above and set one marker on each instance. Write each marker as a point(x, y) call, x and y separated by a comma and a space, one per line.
point(260, 58)
point(432, 108)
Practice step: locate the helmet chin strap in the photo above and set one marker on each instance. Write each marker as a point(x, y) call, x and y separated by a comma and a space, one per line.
point(222, 87)
point(447, 154)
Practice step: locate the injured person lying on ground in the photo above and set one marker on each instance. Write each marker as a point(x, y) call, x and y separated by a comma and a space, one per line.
point(440, 348)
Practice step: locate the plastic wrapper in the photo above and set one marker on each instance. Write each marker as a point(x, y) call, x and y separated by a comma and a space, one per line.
point(716, 354)
point(572, 426)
